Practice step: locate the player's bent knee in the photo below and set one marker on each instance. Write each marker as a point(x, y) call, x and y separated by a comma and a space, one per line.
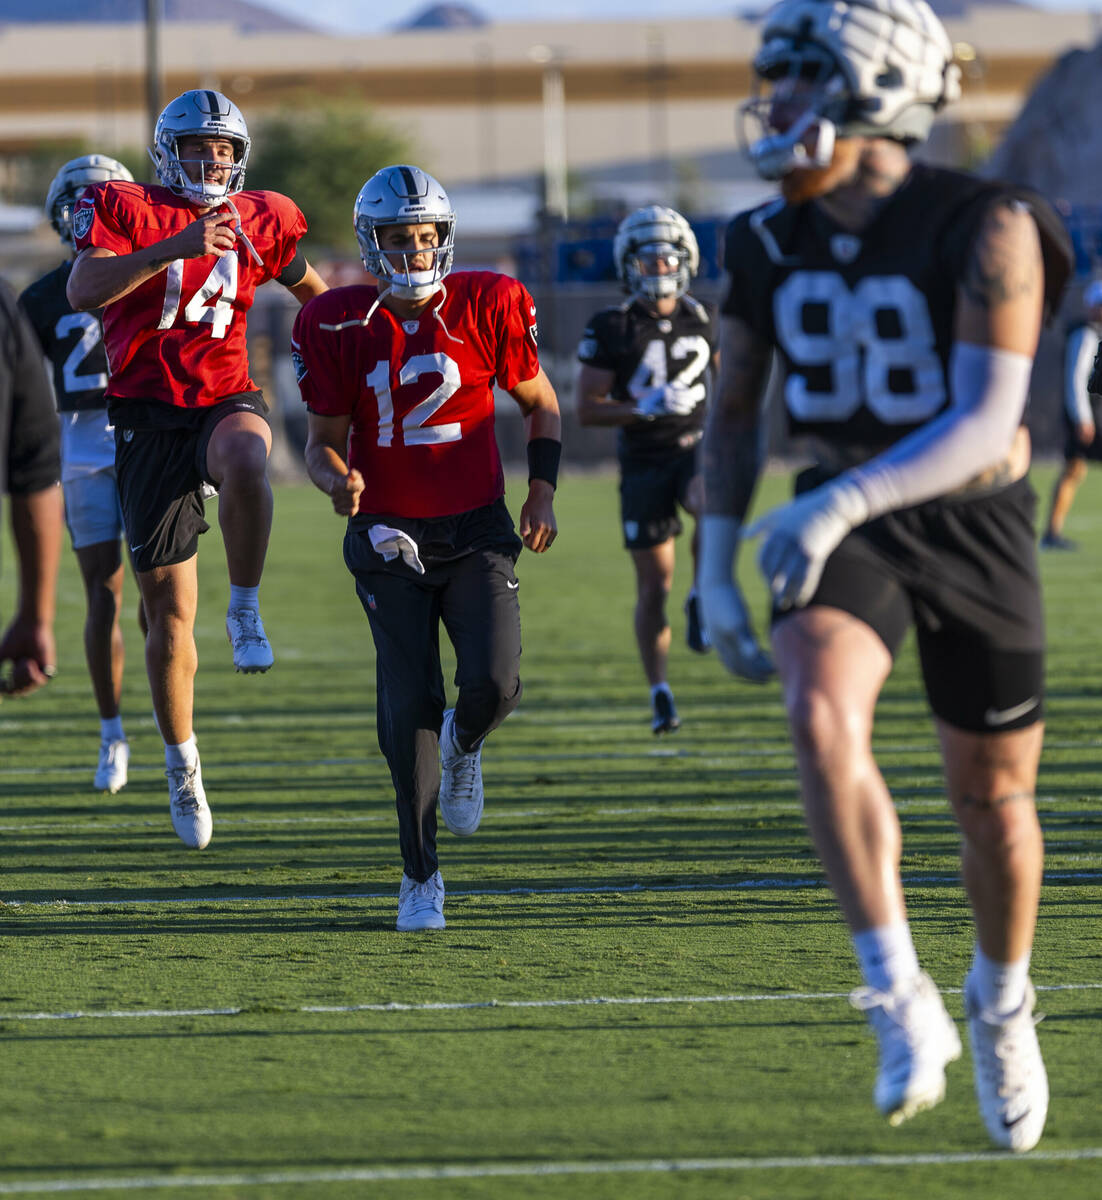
point(821, 723)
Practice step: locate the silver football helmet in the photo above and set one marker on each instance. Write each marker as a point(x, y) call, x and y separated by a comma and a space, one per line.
point(199, 113)
point(70, 181)
point(404, 195)
point(644, 237)
point(877, 68)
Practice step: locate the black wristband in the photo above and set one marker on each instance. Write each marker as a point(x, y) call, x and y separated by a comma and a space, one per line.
point(543, 459)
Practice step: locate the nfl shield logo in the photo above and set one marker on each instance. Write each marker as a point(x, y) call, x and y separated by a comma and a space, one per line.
point(371, 601)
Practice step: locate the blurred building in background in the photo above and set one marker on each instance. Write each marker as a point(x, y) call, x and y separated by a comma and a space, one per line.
point(543, 133)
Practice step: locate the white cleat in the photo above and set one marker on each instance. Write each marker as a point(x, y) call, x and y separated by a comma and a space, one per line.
point(1011, 1083)
point(114, 760)
point(251, 651)
point(188, 803)
point(421, 905)
point(461, 793)
point(917, 1039)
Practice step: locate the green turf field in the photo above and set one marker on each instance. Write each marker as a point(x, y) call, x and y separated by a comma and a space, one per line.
point(642, 988)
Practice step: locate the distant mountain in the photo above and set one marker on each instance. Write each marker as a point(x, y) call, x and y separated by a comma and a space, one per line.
point(249, 18)
point(1055, 144)
point(445, 16)
point(946, 9)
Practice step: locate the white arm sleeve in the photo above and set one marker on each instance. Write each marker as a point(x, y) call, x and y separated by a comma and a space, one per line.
point(989, 389)
point(1078, 359)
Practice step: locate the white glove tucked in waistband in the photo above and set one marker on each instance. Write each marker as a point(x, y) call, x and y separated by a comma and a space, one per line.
point(391, 542)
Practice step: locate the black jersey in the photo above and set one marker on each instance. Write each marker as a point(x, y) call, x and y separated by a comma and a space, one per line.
point(29, 456)
point(72, 341)
point(1094, 382)
point(645, 351)
point(863, 322)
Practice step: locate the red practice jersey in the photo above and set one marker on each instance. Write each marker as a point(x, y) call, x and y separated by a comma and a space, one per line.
point(419, 392)
point(180, 336)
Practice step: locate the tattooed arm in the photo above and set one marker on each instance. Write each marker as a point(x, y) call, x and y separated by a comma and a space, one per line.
point(1000, 298)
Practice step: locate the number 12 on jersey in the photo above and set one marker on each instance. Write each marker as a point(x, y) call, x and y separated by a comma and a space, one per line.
point(415, 431)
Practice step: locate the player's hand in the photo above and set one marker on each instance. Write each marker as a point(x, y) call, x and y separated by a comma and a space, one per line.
point(801, 535)
point(727, 621)
point(666, 400)
point(537, 517)
point(1085, 432)
point(212, 233)
point(29, 647)
point(679, 400)
point(345, 493)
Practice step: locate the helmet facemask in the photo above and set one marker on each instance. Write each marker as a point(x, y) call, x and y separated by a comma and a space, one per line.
point(644, 274)
point(174, 174)
point(402, 280)
point(791, 122)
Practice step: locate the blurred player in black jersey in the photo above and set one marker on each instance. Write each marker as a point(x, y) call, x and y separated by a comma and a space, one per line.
point(904, 304)
point(646, 368)
point(73, 342)
point(29, 468)
point(1082, 434)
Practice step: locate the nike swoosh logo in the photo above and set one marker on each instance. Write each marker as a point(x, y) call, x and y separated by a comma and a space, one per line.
point(1017, 1120)
point(135, 549)
point(512, 585)
point(1003, 716)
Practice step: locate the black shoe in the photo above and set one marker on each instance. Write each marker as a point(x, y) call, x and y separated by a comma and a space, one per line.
point(665, 718)
point(1054, 541)
point(695, 634)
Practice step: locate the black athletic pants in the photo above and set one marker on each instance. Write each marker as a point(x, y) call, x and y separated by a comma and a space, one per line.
point(475, 597)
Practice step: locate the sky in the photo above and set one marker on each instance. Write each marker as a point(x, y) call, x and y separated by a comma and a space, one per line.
point(356, 16)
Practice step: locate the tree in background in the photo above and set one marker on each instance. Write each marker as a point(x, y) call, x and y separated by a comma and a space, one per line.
point(320, 155)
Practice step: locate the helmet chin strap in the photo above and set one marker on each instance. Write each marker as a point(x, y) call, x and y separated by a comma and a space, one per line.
point(240, 232)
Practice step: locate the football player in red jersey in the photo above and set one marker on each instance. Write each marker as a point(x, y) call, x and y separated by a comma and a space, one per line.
point(398, 379)
point(904, 304)
point(175, 269)
point(73, 344)
point(646, 370)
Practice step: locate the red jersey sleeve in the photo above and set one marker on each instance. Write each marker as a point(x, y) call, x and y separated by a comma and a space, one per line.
point(96, 221)
point(318, 366)
point(517, 359)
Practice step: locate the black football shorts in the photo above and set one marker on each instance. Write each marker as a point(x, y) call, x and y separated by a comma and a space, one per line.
point(964, 572)
point(160, 462)
point(650, 492)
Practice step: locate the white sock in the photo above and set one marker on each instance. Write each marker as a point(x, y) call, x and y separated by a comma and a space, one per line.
point(1000, 987)
point(110, 729)
point(244, 597)
point(887, 956)
point(660, 687)
point(186, 754)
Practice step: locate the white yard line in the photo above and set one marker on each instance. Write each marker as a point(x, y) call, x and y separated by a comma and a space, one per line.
point(531, 1170)
point(394, 1006)
point(767, 884)
point(503, 813)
